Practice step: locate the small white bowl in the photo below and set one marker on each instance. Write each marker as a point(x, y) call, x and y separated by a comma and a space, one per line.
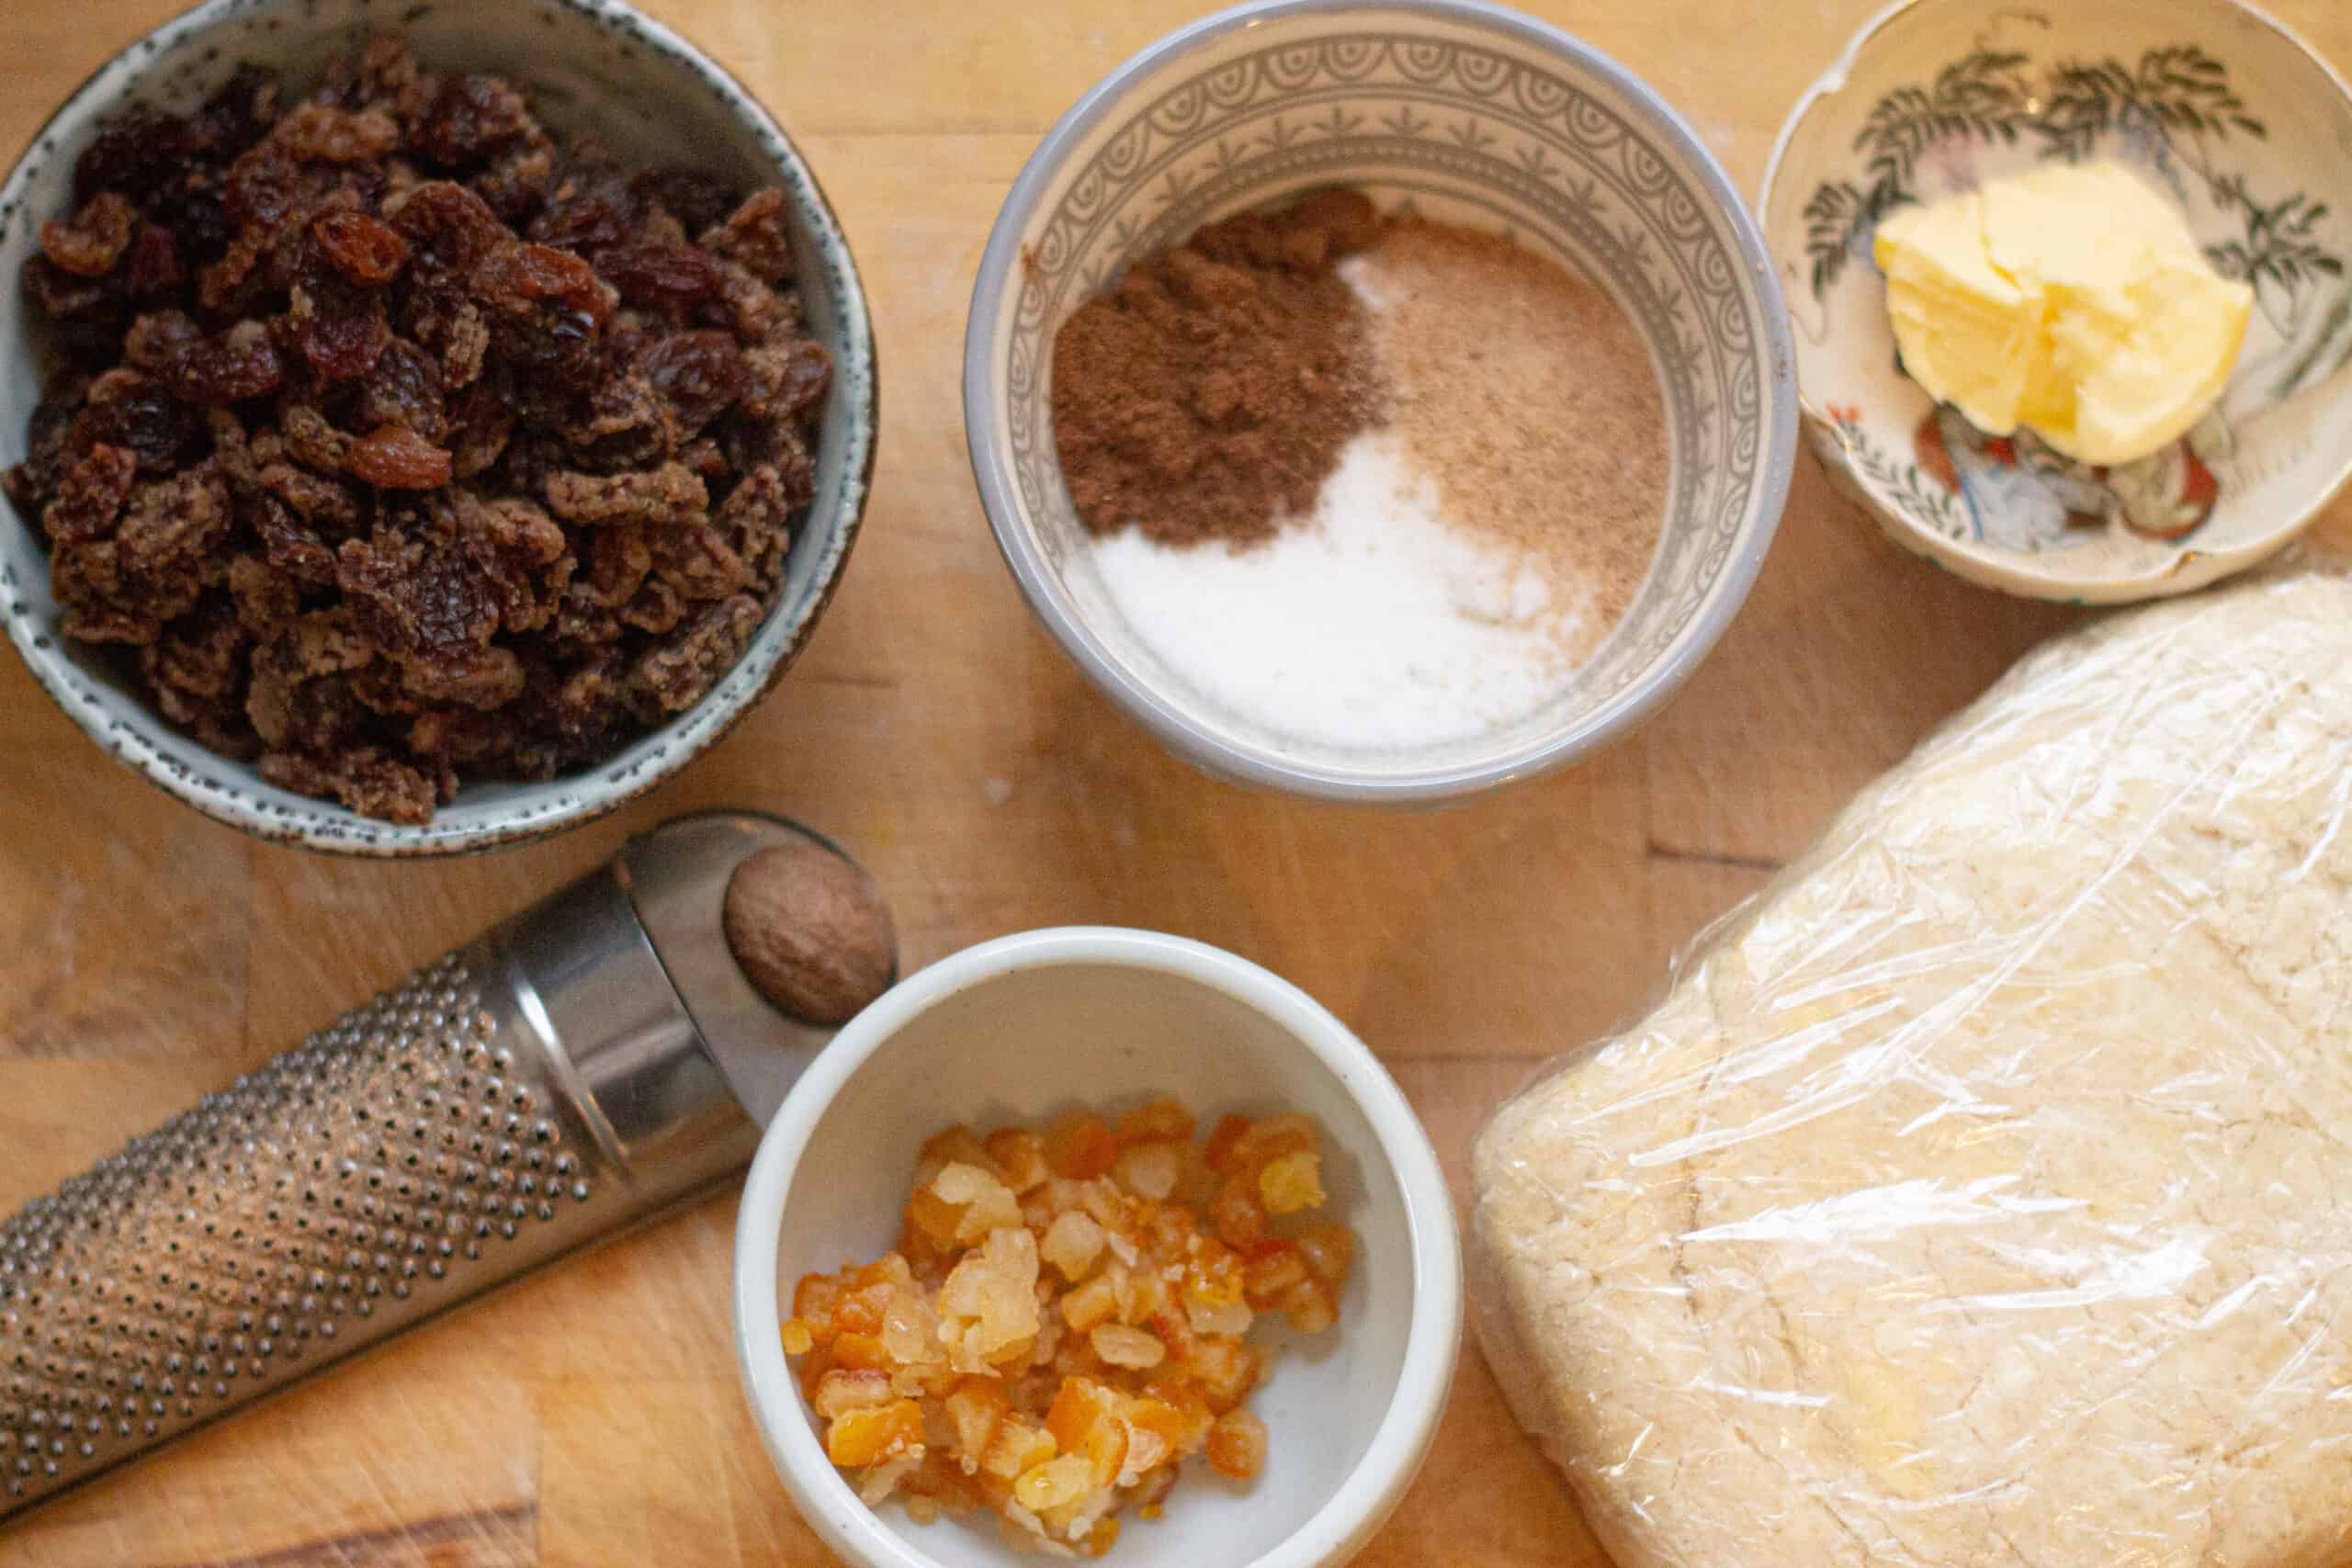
point(1474, 115)
point(588, 64)
point(1021, 1028)
point(2210, 99)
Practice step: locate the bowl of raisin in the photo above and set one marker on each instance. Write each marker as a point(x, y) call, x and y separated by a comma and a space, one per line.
point(417, 442)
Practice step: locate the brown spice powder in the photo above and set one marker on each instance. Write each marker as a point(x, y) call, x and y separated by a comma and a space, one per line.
point(1209, 394)
point(1529, 399)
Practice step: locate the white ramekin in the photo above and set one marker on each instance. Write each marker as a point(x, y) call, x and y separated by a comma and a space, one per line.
point(1025, 1026)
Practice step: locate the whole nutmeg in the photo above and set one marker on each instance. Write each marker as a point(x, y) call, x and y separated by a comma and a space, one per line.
point(811, 930)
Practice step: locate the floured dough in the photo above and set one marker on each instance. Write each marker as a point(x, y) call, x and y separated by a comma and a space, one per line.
point(1983, 1196)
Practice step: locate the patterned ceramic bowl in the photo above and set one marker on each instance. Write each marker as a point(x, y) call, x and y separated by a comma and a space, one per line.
point(1472, 114)
point(648, 94)
point(2210, 100)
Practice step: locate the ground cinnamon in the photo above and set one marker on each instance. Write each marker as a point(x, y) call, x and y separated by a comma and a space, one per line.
point(1207, 396)
point(1529, 397)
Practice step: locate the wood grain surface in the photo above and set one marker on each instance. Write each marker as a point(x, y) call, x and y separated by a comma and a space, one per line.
point(592, 1416)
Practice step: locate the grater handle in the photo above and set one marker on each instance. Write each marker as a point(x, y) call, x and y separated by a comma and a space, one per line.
point(532, 1091)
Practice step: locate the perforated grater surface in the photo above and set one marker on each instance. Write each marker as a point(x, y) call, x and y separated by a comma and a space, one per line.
point(583, 1065)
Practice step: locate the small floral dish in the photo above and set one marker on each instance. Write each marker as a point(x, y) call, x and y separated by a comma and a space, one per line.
point(2210, 100)
point(651, 97)
point(1465, 113)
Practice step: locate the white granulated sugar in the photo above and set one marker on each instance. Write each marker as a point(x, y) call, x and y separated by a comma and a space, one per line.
point(1358, 273)
point(1374, 622)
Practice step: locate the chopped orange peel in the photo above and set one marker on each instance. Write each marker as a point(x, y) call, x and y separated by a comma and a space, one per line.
point(1063, 1322)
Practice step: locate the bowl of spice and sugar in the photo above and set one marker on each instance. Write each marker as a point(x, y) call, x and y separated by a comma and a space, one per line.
point(446, 436)
point(1379, 401)
point(1067, 1066)
point(2072, 287)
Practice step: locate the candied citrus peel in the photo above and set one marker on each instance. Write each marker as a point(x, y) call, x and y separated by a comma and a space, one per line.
point(1063, 1322)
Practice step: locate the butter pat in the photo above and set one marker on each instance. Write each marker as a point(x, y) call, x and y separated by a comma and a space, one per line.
point(2072, 300)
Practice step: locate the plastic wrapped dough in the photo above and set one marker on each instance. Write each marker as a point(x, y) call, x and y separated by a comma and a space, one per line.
point(1981, 1194)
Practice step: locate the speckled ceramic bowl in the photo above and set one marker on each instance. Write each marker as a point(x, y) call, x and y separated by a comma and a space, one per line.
point(1472, 114)
point(2210, 100)
point(651, 96)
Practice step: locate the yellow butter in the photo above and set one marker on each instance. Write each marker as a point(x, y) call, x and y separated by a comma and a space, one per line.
point(2072, 300)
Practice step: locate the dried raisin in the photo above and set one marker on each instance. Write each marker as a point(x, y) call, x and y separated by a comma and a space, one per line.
point(469, 119)
point(755, 519)
point(699, 373)
point(90, 494)
point(262, 187)
point(587, 212)
point(448, 224)
point(318, 500)
point(674, 676)
point(201, 654)
point(157, 341)
point(698, 563)
point(697, 200)
point(620, 424)
point(416, 599)
point(482, 678)
point(482, 421)
point(526, 274)
point(365, 250)
point(154, 272)
point(312, 437)
point(127, 409)
point(49, 438)
point(515, 184)
point(339, 331)
point(668, 495)
point(670, 279)
point(68, 300)
point(291, 546)
point(405, 388)
point(135, 153)
point(396, 458)
point(754, 236)
point(786, 381)
point(551, 306)
point(195, 212)
point(94, 239)
point(322, 133)
point(365, 779)
point(524, 555)
point(239, 364)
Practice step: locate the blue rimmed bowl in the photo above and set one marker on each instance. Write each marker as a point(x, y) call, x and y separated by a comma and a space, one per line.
point(1467, 113)
point(651, 97)
point(2211, 101)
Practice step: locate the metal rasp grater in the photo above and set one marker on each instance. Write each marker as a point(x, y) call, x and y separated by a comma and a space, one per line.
point(586, 1064)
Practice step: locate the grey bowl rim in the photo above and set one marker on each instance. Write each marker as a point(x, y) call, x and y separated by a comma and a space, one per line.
point(359, 838)
point(1230, 758)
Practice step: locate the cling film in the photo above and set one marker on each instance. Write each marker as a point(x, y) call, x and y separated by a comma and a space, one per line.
point(1981, 1192)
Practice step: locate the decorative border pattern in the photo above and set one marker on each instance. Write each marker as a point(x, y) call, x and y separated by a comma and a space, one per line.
point(1551, 162)
point(2176, 103)
point(1921, 494)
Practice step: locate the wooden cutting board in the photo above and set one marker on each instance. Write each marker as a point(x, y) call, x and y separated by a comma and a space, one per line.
point(592, 1416)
